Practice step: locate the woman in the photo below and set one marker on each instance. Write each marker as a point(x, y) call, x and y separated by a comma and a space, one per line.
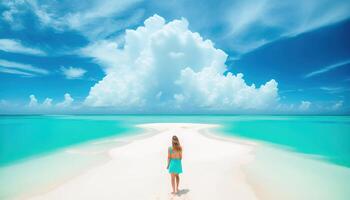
point(174, 163)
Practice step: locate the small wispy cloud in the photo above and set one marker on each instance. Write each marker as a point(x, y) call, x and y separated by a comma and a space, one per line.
point(333, 90)
point(73, 72)
point(291, 91)
point(100, 26)
point(15, 71)
point(15, 46)
point(327, 68)
point(337, 105)
point(21, 69)
point(304, 105)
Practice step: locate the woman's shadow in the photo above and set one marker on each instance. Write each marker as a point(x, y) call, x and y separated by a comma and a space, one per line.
point(182, 192)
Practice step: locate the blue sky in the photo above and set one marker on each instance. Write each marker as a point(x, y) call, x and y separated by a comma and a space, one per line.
point(262, 56)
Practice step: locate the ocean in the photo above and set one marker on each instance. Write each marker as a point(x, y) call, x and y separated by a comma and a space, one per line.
point(24, 137)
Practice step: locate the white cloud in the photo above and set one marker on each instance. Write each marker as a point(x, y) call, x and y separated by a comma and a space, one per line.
point(97, 10)
point(12, 12)
point(210, 89)
point(15, 71)
point(94, 24)
point(104, 53)
point(33, 101)
point(327, 68)
point(15, 46)
point(337, 105)
point(256, 23)
point(247, 25)
point(334, 90)
point(47, 102)
point(73, 72)
point(165, 65)
point(285, 108)
point(304, 105)
point(94, 19)
point(67, 102)
point(20, 68)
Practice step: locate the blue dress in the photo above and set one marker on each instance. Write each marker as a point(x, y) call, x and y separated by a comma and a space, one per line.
point(175, 166)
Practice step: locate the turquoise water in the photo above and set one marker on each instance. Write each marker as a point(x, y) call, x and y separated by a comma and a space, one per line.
point(327, 137)
point(24, 137)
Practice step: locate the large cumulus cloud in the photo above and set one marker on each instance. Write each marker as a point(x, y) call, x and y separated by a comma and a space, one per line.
point(166, 66)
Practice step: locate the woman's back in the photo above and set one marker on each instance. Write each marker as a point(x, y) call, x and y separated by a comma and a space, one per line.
point(175, 154)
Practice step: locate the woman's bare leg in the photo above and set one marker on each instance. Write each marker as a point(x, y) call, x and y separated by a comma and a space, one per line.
point(173, 182)
point(177, 182)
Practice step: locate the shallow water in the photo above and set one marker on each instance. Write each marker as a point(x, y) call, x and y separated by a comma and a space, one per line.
point(23, 137)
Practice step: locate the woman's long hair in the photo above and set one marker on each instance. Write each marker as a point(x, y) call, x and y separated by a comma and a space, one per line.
point(176, 144)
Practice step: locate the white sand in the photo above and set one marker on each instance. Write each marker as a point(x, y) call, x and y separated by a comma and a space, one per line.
point(212, 169)
point(279, 174)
